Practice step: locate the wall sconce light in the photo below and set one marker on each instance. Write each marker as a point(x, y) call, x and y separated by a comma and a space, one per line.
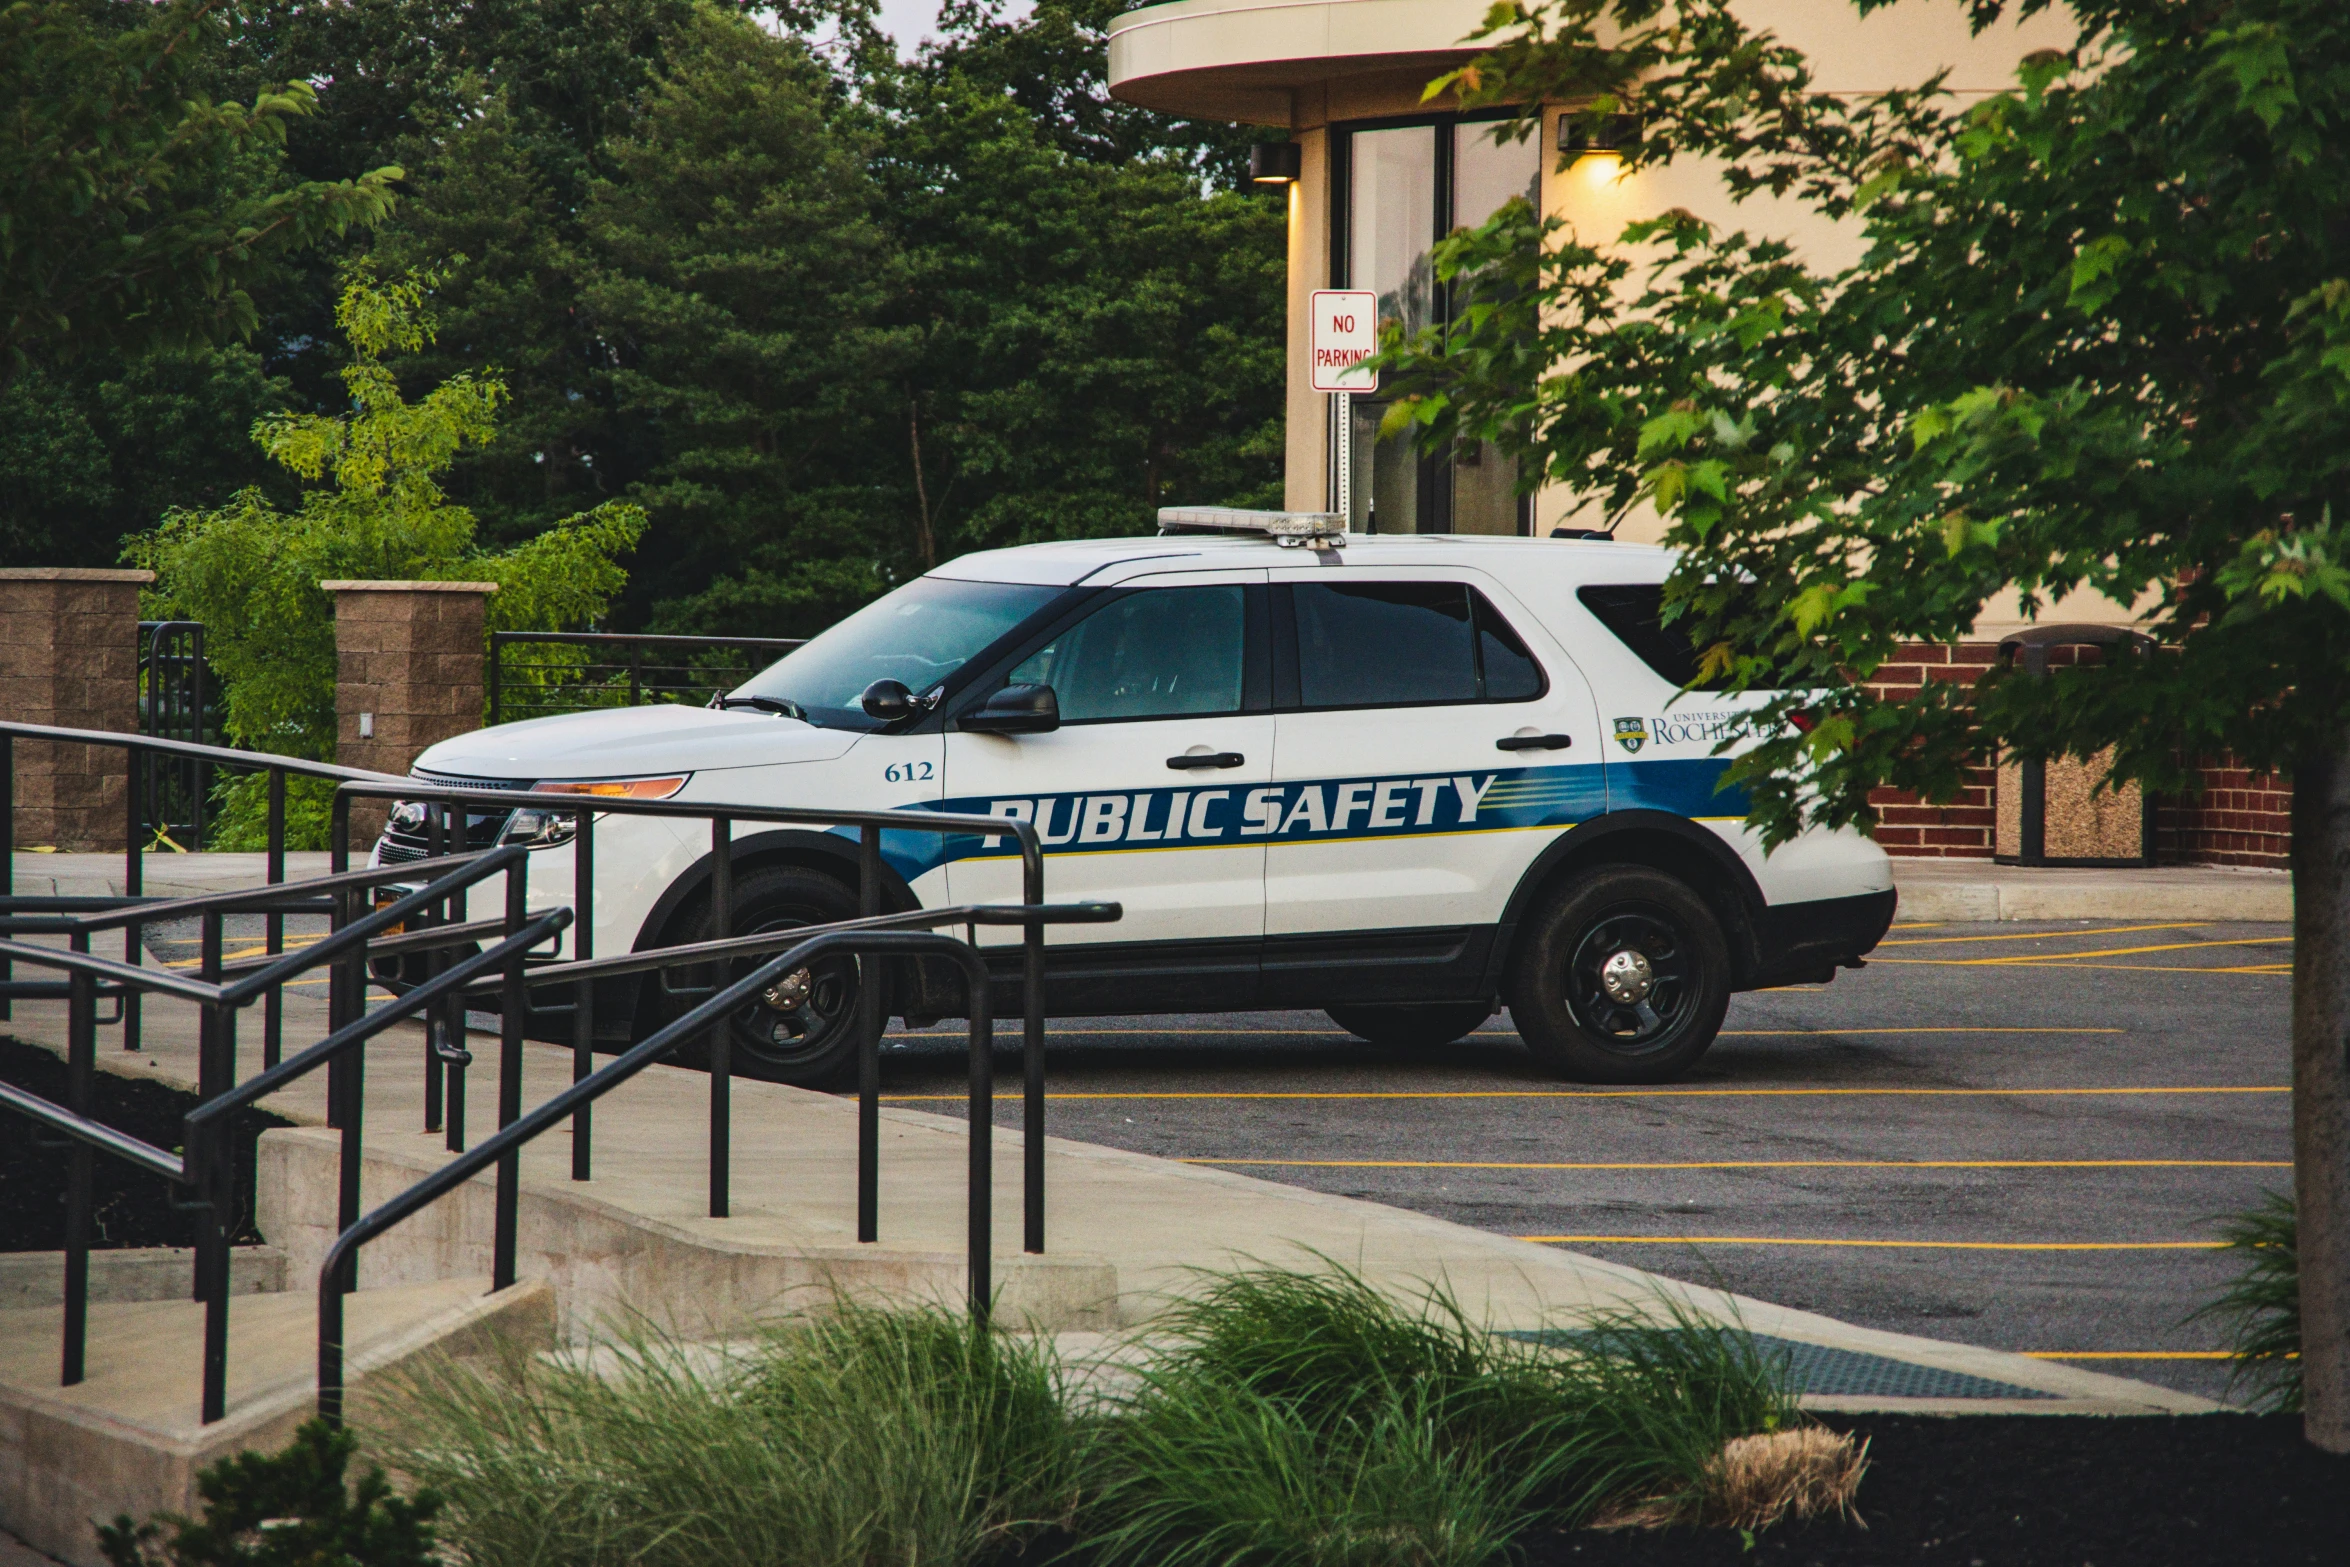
point(1578, 134)
point(1274, 163)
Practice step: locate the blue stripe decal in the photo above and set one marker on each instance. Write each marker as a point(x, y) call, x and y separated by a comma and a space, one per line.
point(1320, 811)
point(1685, 788)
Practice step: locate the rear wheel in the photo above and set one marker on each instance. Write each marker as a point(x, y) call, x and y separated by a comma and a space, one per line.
point(1412, 1026)
point(1623, 977)
point(802, 1029)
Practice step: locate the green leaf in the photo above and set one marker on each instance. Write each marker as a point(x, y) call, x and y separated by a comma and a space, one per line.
point(2094, 266)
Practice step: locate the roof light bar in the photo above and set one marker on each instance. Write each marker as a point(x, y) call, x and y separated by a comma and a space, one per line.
point(1313, 530)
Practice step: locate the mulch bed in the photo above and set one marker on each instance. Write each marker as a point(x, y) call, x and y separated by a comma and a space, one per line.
point(131, 1207)
point(2042, 1491)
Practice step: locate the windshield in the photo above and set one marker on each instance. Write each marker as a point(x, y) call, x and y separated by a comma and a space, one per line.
point(920, 635)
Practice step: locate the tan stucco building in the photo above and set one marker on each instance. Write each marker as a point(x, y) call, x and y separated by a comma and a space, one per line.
point(1381, 174)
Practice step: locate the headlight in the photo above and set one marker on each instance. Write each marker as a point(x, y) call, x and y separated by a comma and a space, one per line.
point(544, 829)
point(618, 788)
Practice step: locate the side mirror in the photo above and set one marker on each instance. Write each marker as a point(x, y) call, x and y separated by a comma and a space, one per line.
point(1015, 710)
point(887, 700)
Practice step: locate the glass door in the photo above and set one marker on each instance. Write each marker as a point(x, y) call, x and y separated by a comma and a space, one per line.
point(1400, 187)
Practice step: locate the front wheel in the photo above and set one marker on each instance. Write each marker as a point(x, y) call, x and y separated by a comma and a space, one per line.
point(1623, 977)
point(803, 1029)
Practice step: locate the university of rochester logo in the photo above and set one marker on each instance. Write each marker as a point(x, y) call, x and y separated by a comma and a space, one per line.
point(1631, 733)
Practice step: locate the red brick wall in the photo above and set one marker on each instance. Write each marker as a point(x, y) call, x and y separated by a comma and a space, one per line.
point(2242, 818)
point(1906, 826)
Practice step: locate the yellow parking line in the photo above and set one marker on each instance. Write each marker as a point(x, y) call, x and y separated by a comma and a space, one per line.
point(1511, 1033)
point(1623, 1093)
point(2104, 952)
point(1769, 1164)
point(1831, 1033)
point(1804, 1240)
point(2126, 1354)
point(2047, 935)
point(2057, 961)
point(258, 949)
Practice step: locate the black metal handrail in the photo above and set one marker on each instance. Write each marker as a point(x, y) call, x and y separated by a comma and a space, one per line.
point(148, 1157)
point(503, 1147)
point(583, 811)
point(205, 1161)
point(138, 749)
point(628, 645)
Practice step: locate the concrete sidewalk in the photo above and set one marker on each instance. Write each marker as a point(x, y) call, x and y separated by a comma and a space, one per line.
point(1965, 890)
point(163, 873)
point(1125, 1231)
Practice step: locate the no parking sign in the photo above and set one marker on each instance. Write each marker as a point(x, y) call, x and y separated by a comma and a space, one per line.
point(1346, 332)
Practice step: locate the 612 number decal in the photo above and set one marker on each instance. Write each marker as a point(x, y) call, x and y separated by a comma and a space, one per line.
point(909, 772)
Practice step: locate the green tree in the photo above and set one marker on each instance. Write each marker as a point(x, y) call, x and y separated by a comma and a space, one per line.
point(133, 209)
point(2100, 339)
point(102, 446)
point(1096, 333)
point(734, 265)
point(1053, 63)
point(828, 316)
point(250, 570)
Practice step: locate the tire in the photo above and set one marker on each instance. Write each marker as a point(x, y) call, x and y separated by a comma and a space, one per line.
point(1622, 977)
point(812, 1044)
point(1412, 1027)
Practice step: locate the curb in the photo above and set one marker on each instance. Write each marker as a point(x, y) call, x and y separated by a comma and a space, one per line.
point(1975, 891)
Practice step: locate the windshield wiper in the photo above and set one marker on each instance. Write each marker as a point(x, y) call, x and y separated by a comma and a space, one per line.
point(782, 706)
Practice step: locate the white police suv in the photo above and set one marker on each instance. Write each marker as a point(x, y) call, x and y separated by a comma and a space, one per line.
point(1402, 779)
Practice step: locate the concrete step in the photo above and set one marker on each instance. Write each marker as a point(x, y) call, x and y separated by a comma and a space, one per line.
point(30, 1280)
point(128, 1437)
point(637, 1241)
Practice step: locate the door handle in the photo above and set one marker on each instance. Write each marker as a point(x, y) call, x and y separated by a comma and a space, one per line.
point(1533, 742)
point(1209, 759)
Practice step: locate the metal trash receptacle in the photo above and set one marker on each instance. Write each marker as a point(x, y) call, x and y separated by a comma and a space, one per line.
point(2054, 812)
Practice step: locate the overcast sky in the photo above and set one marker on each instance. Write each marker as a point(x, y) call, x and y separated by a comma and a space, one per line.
point(910, 21)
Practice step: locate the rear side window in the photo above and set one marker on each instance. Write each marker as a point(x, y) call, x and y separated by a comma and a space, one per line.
point(1405, 644)
point(1634, 611)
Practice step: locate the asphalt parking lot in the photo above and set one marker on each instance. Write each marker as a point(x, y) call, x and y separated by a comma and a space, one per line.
point(2012, 1135)
point(2016, 1136)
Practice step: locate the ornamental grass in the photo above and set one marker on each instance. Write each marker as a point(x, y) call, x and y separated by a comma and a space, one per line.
point(1272, 1417)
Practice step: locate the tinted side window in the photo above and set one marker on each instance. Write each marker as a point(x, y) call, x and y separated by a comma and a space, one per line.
point(1510, 673)
point(1159, 653)
point(1384, 644)
point(1633, 611)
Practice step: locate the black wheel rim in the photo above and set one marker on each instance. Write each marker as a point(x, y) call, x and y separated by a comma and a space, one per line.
point(804, 1015)
point(1631, 982)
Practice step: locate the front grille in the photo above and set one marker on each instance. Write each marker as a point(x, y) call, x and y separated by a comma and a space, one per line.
point(399, 845)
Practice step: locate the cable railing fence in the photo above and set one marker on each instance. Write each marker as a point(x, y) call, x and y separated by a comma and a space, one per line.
point(533, 674)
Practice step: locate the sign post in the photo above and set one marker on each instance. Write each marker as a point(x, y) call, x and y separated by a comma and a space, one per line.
point(1345, 333)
